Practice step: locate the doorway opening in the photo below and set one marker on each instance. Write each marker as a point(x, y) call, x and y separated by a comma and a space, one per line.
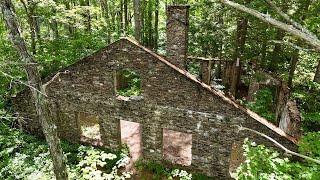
point(131, 135)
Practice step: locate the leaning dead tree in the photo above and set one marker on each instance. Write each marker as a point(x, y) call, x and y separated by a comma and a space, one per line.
point(38, 90)
point(292, 27)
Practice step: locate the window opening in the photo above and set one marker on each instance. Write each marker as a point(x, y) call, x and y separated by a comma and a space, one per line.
point(90, 127)
point(177, 147)
point(128, 83)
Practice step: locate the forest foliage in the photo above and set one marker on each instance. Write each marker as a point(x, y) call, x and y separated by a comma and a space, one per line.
point(60, 32)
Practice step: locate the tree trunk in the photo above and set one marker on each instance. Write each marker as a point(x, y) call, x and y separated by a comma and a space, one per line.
point(36, 20)
point(38, 94)
point(143, 26)
point(30, 16)
point(264, 48)
point(113, 16)
point(70, 28)
point(149, 44)
point(277, 51)
point(295, 57)
point(137, 20)
point(240, 43)
point(121, 17)
point(55, 30)
point(126, 19)
point(221, 41)
point(86, 15)
point(33, 36)
point(105, 14)
point(293, 65)
point(317, 74)
point(156, 25)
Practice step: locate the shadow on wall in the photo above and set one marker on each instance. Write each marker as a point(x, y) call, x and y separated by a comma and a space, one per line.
point(177, 147)
point(131, 135)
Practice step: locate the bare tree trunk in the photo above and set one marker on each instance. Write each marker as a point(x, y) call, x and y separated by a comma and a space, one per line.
point(126, 19)
point(240, 43)
point(221, 41)
point(149, 22)
point(137, 20)
point(156, 25)
point(113, 15)
point(264, 48)
point(39, 97)
point(121, 17)
point(277, 51)
point(36, 20)
point(317, 74)
point(70, 28)
point(143, 27)
point(86, 15)
point(55, 30)
point(293, 65)
point(105, 13)
point(295, 58)
point(30, 16)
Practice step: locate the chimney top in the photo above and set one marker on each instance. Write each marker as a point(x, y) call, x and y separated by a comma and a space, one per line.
point(177, 34)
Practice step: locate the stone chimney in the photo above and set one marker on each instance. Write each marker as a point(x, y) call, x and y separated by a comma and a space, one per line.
point(177, 34)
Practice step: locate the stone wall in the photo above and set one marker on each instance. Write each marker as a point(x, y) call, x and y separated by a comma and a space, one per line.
point(171, 101)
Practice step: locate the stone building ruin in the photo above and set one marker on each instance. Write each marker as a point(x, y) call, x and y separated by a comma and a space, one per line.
point(172, 103)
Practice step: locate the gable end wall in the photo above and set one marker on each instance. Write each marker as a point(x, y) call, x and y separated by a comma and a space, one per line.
point(170, 100)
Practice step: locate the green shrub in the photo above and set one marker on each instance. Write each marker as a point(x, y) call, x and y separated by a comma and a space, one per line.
point(310, 121)
point(161, 172)
point(134, 84)
point(310, 144)
point(263, 104)
point(194, 68)
point(263, 163)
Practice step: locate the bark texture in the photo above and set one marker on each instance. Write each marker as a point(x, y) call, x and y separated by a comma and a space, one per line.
point(317, 74)
point(38, 94)
point(293, 65)
point(137, 20)
point(242, 27)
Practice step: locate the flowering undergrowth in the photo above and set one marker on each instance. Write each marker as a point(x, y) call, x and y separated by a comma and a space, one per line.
point(25, 157)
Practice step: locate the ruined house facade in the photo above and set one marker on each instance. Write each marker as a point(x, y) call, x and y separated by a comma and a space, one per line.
point(171, 99)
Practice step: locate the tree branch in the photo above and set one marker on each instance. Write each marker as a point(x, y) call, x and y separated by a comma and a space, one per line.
point(313, 41)
point(240, 128)
point(21, 82)
point(292, 45)
point(16, 63)
point(288, 19)
point(54, 77)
